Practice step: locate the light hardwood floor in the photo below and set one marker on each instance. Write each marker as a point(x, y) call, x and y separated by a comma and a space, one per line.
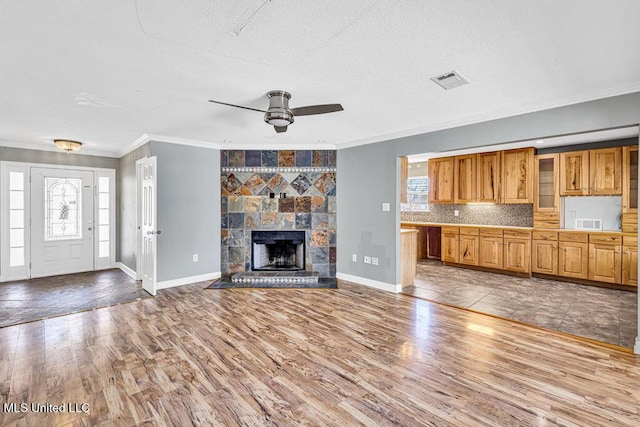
point(315, 357)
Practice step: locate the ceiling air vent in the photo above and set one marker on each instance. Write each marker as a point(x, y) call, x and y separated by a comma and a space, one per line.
point(450, 80)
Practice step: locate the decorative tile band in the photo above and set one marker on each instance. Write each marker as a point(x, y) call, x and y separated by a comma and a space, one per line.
point(286, 280)
point(278, 169)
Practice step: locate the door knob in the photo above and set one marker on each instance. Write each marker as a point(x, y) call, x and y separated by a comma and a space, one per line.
point(150, 232)
point(89, 228)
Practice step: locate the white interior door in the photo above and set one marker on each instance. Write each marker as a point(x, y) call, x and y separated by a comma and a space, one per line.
point(148, 232)
point(62, 224)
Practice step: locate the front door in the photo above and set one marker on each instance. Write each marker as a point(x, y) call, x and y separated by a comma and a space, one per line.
point(62, 223)
point(148, 233)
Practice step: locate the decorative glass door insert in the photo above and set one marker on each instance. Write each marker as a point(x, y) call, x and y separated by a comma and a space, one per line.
point(62, 208)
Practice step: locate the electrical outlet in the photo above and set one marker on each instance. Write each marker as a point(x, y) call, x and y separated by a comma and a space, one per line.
point(195, 257)
point(354, 258)
point(456, 213)
point(374, 261)
point(367, 260)
point(386, 207)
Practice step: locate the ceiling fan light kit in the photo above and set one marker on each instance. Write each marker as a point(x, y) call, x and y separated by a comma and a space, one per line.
point(67, 145)
point(279, 115)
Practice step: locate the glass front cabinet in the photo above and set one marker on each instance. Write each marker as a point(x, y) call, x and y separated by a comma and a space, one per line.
point(546, 203)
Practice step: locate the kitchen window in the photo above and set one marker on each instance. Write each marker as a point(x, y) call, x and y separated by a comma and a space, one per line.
point(417, 194)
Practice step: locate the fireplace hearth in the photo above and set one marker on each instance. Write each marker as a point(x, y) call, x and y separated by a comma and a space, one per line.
point(278, 250)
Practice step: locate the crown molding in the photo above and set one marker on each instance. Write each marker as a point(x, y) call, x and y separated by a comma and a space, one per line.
point(501, 114)
point(144, 138)
point(283, 146)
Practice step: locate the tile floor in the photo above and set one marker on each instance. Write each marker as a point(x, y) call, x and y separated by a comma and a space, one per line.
point(28, 300)
point(605, 315)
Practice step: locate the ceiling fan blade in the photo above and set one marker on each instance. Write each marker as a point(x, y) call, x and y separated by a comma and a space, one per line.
point(316, 109)
point(280, 129)
point(238, 106)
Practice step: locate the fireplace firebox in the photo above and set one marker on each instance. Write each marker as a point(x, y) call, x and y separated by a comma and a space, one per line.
point(277, 250)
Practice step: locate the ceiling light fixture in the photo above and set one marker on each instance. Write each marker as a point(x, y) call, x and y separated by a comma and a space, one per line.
point(67, 145)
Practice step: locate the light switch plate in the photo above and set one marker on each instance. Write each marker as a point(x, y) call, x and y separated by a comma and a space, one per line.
point(354, 258)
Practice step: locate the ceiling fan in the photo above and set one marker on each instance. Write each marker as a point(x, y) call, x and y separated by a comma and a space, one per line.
point(279, 115)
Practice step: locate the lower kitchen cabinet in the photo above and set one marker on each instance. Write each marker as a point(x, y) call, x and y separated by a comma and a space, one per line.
point(490, 253)
point(605, 257)
point(468, 248)
point(544, 257)
point(573, 260)
point(449, 247)
point(517, 254)
point(605, 263)
point(630, 265)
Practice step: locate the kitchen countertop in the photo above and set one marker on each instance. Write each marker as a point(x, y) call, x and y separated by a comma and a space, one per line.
point(564, 230)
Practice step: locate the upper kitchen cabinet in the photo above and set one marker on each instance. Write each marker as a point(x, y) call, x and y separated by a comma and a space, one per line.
point(488, 166)
point(546, 194)
point(630, 189)
point(630, 179)
point(517, 176)
point(605, 171)
point(574, 173)
point(441, 180)
point(465, 178)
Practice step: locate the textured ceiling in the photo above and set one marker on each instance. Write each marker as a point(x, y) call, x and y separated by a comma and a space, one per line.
point(107, 72)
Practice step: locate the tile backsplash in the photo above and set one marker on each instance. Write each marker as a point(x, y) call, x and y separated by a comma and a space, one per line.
point(508, 215)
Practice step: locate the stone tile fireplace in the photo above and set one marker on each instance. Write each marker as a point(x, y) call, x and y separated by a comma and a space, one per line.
point(281, 191)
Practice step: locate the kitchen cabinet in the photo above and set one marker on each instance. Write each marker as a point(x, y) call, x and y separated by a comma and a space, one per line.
point(408, 245)
point(591, 172)
point(517, 176)
point(441, 180)
point(574, 173)
point(630, 260)
point(573, 255)
point(630, 189)
point(450, 244)
point(544, 252)
point(421, 243)
point(488, 180)
point(490, 248)
point(546, 194)
point(517, 251)
point(605, 171)
point(468, 244)
point(465, 179)
point(605, 258)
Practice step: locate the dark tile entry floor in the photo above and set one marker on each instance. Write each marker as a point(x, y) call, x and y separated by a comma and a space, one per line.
point(605, 315)
point(28, 300)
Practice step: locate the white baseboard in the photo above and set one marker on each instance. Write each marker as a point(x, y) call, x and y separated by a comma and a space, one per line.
point(636, 349)
point(187, 280)
point(389, 287)
point(127, 270)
